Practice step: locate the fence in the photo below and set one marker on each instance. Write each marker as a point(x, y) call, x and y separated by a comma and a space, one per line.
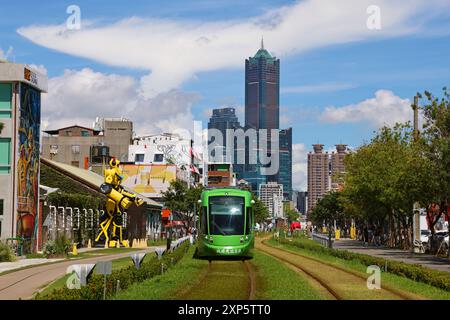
point(322, 239)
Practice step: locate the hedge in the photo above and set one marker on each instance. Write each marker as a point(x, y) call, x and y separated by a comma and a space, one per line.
point(6, 253)
point(127, 276)
point(436, 278)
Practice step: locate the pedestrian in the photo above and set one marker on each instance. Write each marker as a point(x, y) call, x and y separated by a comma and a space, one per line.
point(366, 236)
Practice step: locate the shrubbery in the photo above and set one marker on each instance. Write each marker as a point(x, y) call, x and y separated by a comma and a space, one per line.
point(6, 253)
point(439, 279)
point(127, 276)
point(58, 247)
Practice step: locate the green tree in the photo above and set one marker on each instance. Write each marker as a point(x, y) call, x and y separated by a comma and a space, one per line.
point(327, 210)
point(383, 179)
point(183, 200)
point(260, 210)
point(435, 143)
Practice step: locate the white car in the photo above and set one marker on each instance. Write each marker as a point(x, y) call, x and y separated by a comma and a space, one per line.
point(424, 235)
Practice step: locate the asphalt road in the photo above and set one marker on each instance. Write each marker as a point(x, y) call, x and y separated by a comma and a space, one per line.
point(24, 283)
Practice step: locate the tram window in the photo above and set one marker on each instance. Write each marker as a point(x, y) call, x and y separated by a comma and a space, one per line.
point(249, 225)
point(226, 215)
point(203, 227)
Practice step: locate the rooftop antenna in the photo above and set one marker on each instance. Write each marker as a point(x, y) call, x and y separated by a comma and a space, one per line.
point(262, 42)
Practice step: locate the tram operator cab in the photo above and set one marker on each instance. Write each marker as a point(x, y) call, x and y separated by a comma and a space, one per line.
point(226, 225)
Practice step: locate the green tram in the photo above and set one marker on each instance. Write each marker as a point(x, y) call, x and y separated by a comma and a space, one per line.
point(226, 229)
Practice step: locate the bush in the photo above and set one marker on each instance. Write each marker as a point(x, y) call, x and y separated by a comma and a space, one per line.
point(6, 253)
point(127, 276)
point(59, 247)
point(439, 279)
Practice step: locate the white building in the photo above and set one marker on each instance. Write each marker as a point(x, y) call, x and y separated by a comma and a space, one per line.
point(271, 195)
point(167, 148)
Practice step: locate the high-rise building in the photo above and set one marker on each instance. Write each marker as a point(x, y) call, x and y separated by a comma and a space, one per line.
point(262, 90)
point(262, 100)
point(20, 115)
point(318, 175)
point(337, 166)
point(223, 119)
point(302, 198)
point(284, 176)
point(271, 195)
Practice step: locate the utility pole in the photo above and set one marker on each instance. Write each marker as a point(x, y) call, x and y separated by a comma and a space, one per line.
point(416, 217)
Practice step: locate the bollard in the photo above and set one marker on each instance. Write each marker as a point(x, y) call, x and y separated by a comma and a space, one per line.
point(106, 244)
point(118, 244)
point(162, 268)
point(118, 287)
point(89, 244)
point(75, 250)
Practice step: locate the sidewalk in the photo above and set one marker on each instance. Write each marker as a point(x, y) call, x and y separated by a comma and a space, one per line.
point(426, 260)
point(23, 283)
point(20, 263)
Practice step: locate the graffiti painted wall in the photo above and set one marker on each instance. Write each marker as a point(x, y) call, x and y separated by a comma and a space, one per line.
point(28, 163)
point(148, 180)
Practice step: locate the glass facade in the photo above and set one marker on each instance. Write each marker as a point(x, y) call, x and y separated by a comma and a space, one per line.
point(262, 88)
point(5, 100)
point(5, 155)
point(285, 173)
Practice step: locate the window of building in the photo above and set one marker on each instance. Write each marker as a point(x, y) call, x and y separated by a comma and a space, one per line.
point(75, 164)
point(75, 149)
point(158, 157)
point(5, 100)
point(1, 206)
point(68, 133)
point(5, 155)
point(53, 149)
point(139, 157)
point(84, 133)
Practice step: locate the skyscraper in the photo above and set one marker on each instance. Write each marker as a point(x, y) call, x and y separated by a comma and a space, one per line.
point(262, 95)
point(318, 175)
point(262, 90)
point(284, 176)
point(223, 119)
point(337, 166)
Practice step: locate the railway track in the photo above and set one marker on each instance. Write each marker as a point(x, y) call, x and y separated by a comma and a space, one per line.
point(337, 282)
point(223, 280)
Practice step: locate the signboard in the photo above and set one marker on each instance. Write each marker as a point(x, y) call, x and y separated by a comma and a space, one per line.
point(148, 180)
point(103, 267)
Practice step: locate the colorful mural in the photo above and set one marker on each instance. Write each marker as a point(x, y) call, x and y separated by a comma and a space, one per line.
point(28, 163)
point(148, 180)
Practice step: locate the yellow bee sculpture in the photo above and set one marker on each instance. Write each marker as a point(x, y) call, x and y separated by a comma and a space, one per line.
point(118, 201)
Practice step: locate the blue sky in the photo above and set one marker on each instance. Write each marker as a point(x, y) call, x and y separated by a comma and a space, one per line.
point(327, 76)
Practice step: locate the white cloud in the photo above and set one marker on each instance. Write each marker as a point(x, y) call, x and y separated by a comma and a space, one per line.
point(174, 51)
point(78, 97)
point(299, 167)
point(384, 109)
point(318, 88)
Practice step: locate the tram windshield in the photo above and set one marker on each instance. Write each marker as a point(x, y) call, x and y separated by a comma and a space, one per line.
point(226, 215)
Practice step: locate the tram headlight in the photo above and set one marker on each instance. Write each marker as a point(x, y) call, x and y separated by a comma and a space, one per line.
point(242, 239)
point(210, 239)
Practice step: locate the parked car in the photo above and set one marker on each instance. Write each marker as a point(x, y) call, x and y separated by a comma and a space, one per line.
point(443, 236)
point(424, 235)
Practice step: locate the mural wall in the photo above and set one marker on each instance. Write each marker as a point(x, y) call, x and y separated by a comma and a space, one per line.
point(148, 180)
point(28, 163)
